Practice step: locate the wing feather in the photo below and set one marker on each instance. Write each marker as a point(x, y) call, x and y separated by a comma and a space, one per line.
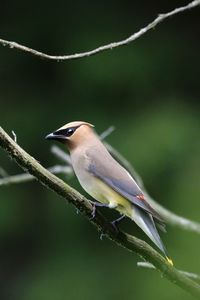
point(125, 186)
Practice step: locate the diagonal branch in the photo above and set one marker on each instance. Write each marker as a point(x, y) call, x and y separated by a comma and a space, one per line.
point(126, 41)
point(130, 243)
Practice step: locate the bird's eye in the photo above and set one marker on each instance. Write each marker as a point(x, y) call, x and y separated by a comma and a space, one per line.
point(66, 132)
point(70, 131)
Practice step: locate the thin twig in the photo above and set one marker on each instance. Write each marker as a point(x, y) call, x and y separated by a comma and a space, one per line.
point(25, 177)
point(14, 136)
point(3, 173)
point(107, 132)
point(144, 264)
point(130, 39)
point(130, 243)
point(63, 156)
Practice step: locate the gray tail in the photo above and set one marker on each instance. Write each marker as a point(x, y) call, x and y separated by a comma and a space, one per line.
point(146, 223)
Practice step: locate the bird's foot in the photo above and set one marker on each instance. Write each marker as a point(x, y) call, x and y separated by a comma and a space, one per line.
point(94, 206)
point(116, 222)
point(102, 235)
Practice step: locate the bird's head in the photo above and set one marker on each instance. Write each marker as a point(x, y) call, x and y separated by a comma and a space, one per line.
point(72, 133)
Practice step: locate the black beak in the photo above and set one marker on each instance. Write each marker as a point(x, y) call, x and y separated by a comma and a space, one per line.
point(49, 136)
point(56, 136)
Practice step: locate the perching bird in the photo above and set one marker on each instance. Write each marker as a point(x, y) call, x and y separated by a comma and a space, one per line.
point(102, 177)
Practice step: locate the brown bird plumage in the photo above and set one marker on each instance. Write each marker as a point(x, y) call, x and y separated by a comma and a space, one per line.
point(105, 179)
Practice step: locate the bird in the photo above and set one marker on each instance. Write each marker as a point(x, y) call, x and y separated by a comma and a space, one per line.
point(106, 180)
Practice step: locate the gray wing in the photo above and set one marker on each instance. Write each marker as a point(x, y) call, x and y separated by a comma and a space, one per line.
point(109, 171)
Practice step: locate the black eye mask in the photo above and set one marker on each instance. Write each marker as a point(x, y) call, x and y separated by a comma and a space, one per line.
point(66, 132)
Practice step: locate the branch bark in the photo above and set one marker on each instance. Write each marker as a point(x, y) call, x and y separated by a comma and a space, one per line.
point(126, 41)
point(130, 243)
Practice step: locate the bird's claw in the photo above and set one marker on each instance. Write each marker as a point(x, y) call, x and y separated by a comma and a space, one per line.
point(116, 222)
point(94, 205)
point(102, 235)
point(93, 213)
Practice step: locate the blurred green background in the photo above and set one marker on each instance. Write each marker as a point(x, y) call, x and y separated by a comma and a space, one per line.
point(148, 90)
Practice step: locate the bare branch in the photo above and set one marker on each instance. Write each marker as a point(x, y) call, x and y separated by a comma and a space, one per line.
point(3, 173)
point(130, 243)
point(25, 177)
point(126, 41)
point(174, 219)
point(143, 264)
point(63, 156)
point(107, 132)
point(14, 136)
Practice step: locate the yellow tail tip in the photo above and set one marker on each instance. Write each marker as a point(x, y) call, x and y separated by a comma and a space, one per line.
point(169, 260)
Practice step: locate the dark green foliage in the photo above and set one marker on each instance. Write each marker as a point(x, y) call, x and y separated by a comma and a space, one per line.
point(149, 90)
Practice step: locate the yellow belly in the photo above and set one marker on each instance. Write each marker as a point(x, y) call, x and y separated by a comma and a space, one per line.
point(105, 194)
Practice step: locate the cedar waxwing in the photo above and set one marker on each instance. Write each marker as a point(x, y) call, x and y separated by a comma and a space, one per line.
point(103, 178)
